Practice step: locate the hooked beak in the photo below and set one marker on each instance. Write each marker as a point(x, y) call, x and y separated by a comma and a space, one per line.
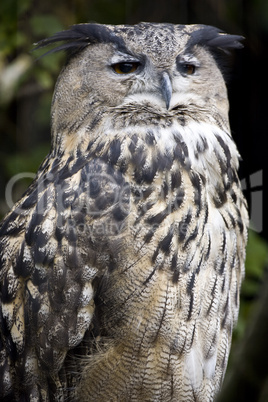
point(166, 88)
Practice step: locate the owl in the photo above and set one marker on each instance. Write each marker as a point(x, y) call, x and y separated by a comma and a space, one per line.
point(121, 265)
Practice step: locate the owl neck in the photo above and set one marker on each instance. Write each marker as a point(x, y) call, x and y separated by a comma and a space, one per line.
point(151, 151)
point(147, 144)
point(102, 125)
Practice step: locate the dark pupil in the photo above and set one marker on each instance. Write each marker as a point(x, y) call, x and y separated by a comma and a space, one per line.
point(190, 69)
point(125, 67)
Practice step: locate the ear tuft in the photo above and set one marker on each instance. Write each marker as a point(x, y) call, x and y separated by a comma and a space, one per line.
point(214, 38)
point(79, 36)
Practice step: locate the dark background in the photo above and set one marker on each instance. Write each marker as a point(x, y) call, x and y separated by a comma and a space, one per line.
point(26, 87)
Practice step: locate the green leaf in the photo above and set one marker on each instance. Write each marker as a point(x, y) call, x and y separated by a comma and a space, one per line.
point(44, 78)
point(45, 25)
point(257, 255)
point(29, 162)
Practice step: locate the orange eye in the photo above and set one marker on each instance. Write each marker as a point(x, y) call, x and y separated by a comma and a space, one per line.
point(125, 68)
point(189, 69)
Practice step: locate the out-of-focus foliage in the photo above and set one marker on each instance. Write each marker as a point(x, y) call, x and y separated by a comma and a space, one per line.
point(256, 267)
point(257, 258)
point(27, 80)
point(25, 87)
point(256, 272)
point(17, 66)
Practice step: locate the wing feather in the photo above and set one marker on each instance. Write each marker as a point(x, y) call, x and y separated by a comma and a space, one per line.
point(48, 254)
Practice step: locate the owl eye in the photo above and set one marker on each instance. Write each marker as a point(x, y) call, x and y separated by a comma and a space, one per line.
point(186, 67)
point(189, 69)
point(125, 68)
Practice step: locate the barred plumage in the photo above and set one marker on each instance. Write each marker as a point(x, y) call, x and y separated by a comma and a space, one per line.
point(121, 265)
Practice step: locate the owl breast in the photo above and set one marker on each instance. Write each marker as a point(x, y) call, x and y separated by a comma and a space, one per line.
point(166, 308)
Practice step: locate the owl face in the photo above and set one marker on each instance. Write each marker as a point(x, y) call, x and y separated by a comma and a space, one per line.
point(161, 66)
point(147, 72)
point(164, 82)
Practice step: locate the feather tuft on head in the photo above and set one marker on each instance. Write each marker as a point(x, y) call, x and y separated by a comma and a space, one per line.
point(79, 36)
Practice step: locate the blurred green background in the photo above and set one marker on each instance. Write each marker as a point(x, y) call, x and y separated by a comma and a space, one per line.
point(26, 87)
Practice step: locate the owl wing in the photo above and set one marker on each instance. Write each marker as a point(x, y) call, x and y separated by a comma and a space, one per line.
point(53, 244)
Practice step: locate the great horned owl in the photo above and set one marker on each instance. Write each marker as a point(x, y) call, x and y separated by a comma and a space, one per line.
point(122, 263)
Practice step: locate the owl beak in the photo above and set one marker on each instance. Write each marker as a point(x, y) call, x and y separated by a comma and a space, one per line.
point(166, 88)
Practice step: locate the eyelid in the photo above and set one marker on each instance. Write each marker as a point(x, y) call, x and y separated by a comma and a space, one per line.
point(123, 58)
point(187, 65)
point(119, 67)
point(180, 60)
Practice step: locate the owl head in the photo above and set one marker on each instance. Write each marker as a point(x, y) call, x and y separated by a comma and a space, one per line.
point(161, 66)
